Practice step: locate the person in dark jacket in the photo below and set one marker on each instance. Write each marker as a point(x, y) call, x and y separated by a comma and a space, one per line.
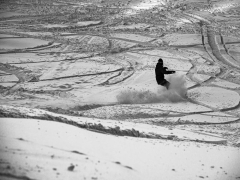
point(160, 71)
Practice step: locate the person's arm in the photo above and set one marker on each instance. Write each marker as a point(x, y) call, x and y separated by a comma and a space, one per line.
point(168, 71)
point(171, 72)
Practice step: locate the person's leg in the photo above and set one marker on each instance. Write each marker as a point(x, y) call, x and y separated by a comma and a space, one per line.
point(166, 83)
point(163, 82)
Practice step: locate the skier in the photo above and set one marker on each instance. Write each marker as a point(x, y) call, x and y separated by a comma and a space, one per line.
point(160, 71)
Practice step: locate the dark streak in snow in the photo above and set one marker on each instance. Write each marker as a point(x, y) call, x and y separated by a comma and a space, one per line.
point(77, 152)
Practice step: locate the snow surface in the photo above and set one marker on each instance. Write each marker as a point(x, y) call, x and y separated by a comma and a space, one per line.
point(21, 43)
point(183, 39)
point(215, 97)
point(143, 130)
point(132, 37)
point(225, 84)
point(9, 14)
point(90, 68)
point(107, 157)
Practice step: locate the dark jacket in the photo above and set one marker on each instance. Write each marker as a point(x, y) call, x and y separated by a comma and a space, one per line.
point(160, 71)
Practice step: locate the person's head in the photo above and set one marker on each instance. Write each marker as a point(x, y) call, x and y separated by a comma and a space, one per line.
point(160, 61)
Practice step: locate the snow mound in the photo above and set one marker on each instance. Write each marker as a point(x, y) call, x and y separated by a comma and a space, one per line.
point(176, 93)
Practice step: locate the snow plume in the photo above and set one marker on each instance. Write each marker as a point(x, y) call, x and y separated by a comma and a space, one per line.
point(176, 93)
point(178, 86)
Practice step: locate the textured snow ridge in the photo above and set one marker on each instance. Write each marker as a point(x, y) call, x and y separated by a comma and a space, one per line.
point(115, 127)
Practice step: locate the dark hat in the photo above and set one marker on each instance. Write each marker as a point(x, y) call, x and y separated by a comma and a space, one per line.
point(160, 60)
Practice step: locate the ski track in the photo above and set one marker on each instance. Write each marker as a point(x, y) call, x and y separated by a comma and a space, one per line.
point(23, 94)
point(211, 47)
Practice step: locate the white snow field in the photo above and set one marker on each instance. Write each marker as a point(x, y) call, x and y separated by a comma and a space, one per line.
point(20, 43)
point(79, 97)
point(52, 150)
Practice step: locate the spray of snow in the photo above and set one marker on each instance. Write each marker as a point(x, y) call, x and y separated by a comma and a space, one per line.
point(176, 93)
